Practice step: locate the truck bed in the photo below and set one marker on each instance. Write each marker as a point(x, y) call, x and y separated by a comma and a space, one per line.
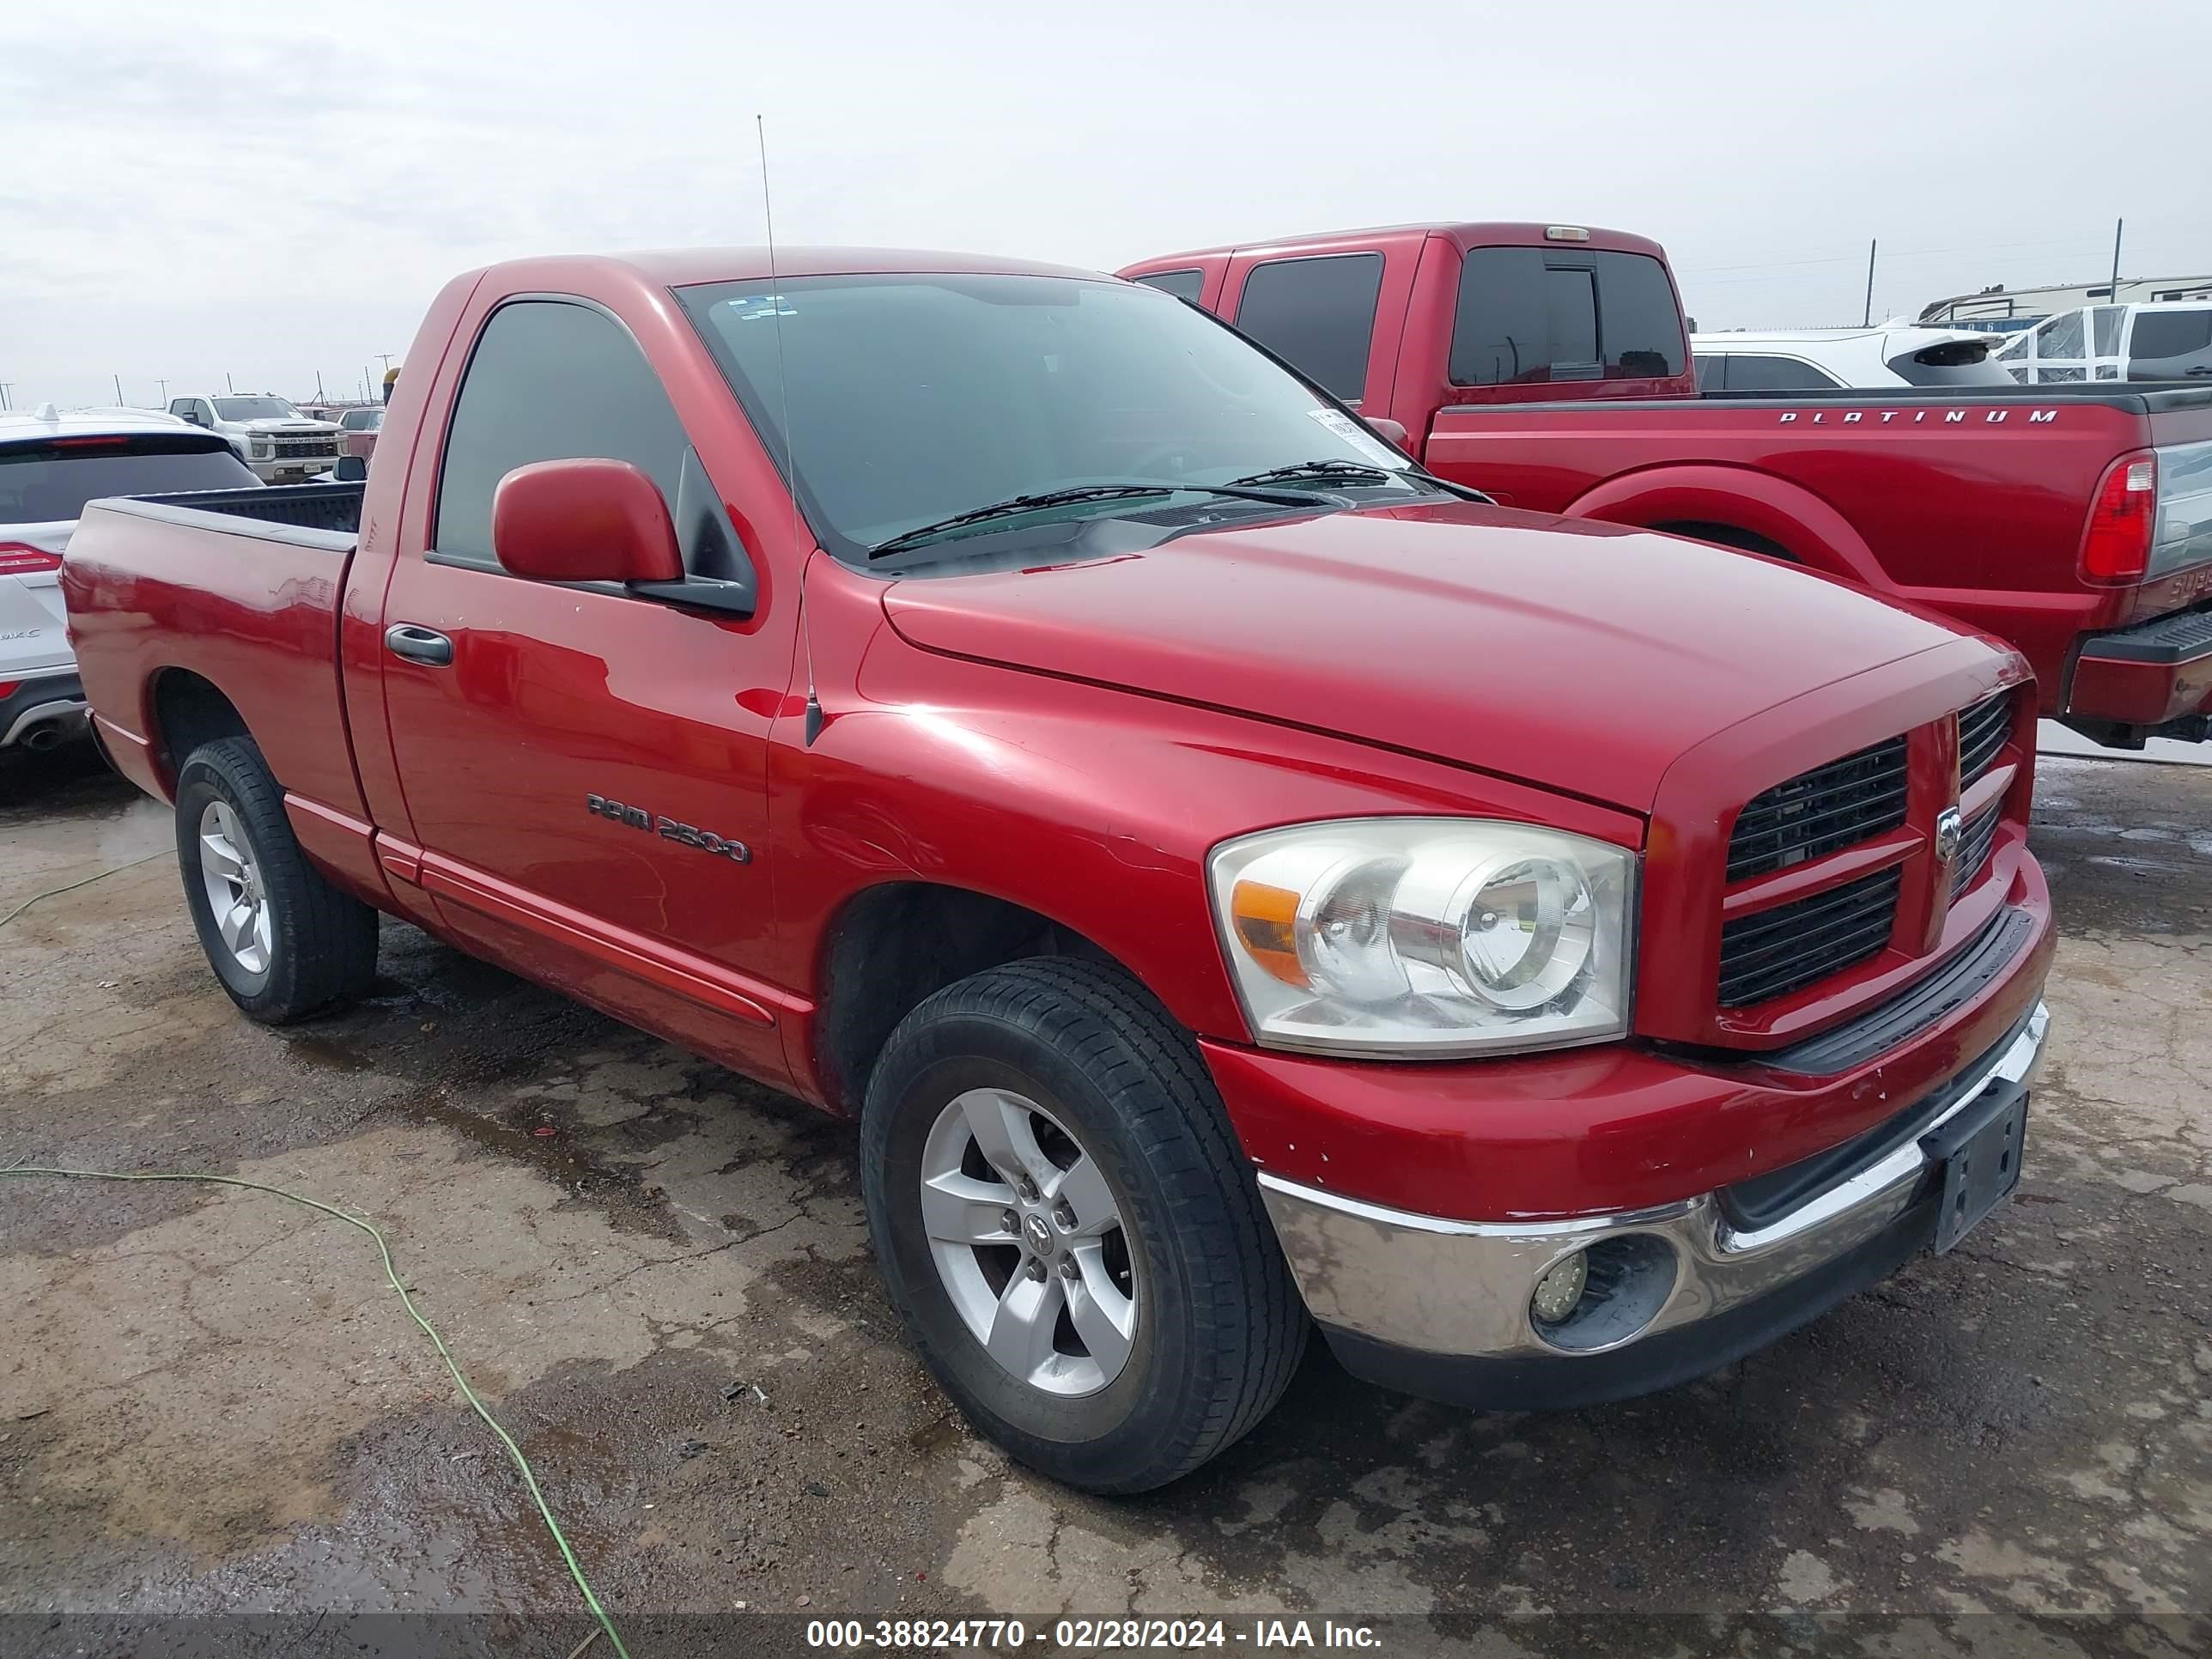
point(333, 510)
point(1970, 501)
point(2133, 399)
point(241, 589)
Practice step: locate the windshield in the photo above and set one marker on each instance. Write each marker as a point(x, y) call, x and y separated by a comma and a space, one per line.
point(362, 420)
point(255, 409)
point(914, 398)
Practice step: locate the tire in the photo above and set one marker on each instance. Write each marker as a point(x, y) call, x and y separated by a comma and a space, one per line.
point(308, 944)
point(1206, 1324)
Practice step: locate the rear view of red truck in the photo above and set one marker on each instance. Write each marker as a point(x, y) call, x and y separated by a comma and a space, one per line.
point(1548, 365)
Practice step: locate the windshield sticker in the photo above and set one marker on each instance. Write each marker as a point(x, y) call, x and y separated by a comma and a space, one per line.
point(1370, 447)
point(756, 306)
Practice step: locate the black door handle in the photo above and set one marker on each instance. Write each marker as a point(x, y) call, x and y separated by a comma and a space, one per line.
point(422, 645)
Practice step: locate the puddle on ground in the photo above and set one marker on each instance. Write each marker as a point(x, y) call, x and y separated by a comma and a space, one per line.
point(631, 1205)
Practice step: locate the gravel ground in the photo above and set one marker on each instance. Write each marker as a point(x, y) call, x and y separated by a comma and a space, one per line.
point(209, 1401)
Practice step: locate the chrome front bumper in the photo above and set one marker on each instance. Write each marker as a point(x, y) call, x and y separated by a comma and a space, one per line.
point(1423, 1285)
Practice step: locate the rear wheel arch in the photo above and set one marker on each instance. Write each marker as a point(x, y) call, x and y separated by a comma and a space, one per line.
point(187, 711)
point(1739, 508)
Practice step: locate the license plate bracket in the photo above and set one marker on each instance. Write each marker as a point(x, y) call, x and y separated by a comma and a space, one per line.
point(1979, 1152)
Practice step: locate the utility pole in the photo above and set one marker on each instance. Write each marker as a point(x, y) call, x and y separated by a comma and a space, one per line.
point(5, 384)
point(225, 380)
point(119, 392)
point(1872, 244)
point(318, 386)
point(2119, 225)
point(164, 385)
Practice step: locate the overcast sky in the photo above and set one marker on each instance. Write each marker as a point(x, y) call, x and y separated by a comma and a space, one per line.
point(196, 189)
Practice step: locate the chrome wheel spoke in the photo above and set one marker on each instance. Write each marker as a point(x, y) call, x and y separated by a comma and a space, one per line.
point(1001, 1125)
point(219, 857)
point(1083, 1188)
point(961, 1209)
point(1105, 1319)
point(1021, 1331)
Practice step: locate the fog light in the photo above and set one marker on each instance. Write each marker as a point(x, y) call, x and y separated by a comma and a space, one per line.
point(1560, 1288)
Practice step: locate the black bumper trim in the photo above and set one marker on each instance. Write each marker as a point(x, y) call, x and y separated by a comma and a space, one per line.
point(1661, 1361)
point(63, 687)
point(2182, 637)
point(1764, 1199)
point(1971, 969)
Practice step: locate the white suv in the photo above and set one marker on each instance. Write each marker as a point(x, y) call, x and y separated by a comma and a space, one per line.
point(50, 465)
point(279, 443)
point(1823, 359)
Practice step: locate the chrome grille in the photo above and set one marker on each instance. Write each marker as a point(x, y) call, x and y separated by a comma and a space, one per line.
point(1816, 813)
point(291, 449)
point(1974, 848)
point(1771, 953)
point(1983, 730)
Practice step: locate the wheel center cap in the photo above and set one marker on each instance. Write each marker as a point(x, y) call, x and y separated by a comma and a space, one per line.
point(1039, 1233)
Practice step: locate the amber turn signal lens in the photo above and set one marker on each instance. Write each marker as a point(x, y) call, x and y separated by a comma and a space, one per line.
point(1266, 919)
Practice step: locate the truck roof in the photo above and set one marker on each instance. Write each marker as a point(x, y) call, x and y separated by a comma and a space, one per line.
point(1466, 234)
point(684, 267)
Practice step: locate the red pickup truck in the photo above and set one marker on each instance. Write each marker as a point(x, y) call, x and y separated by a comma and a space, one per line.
point(1223, 867)
point(1548, 365)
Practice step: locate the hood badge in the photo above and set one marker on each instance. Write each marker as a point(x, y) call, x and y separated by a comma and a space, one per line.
point(1950, 834)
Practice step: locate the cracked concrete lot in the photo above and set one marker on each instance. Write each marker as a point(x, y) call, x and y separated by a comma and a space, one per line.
point(209, 1400)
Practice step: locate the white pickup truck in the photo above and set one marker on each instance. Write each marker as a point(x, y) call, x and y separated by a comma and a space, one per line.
point(280, 444)
point(2170, 341)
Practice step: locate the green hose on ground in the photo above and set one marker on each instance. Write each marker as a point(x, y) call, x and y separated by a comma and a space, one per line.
point(391, 1273)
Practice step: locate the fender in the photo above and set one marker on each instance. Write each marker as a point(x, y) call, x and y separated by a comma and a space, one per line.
point(1790, 516)
point(1090, 807)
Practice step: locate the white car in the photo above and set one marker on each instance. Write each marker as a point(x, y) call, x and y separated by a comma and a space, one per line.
point(2164, 342)
point(50, 465)
point(1888, 354)
point(279, 443)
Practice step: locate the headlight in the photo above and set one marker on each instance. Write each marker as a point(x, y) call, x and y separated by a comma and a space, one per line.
point(262, 448)
point(1427, 938)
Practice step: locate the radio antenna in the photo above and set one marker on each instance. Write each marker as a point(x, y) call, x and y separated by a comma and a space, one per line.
point(813, 725)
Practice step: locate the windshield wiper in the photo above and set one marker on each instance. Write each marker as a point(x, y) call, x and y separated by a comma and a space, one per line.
point(922, 534)
point(1351, 472)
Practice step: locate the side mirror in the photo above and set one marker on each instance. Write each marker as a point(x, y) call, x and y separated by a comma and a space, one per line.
point(350, 468)
point(593, 521)
point(195, 418)
point(1389, 431)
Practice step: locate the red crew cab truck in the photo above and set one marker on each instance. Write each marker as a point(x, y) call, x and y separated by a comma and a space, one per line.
point(1236, 881)
point(1548, 365)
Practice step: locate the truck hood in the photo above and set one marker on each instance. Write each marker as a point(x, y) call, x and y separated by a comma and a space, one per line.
point(1576, 656)
point(279, 425)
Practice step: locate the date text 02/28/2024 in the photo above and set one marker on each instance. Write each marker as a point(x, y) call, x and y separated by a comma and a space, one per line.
point(1087, 1635)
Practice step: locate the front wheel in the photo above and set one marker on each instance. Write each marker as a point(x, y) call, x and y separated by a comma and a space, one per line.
point(283, 942)
point(1068, 1228)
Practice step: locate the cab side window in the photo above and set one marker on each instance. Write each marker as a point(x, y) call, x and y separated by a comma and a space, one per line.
point(1183, 284)
point(550, 379)
point(1316, 313)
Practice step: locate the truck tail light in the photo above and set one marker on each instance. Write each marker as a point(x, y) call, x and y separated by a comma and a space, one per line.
point(21, 559)
point(2116, 545)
